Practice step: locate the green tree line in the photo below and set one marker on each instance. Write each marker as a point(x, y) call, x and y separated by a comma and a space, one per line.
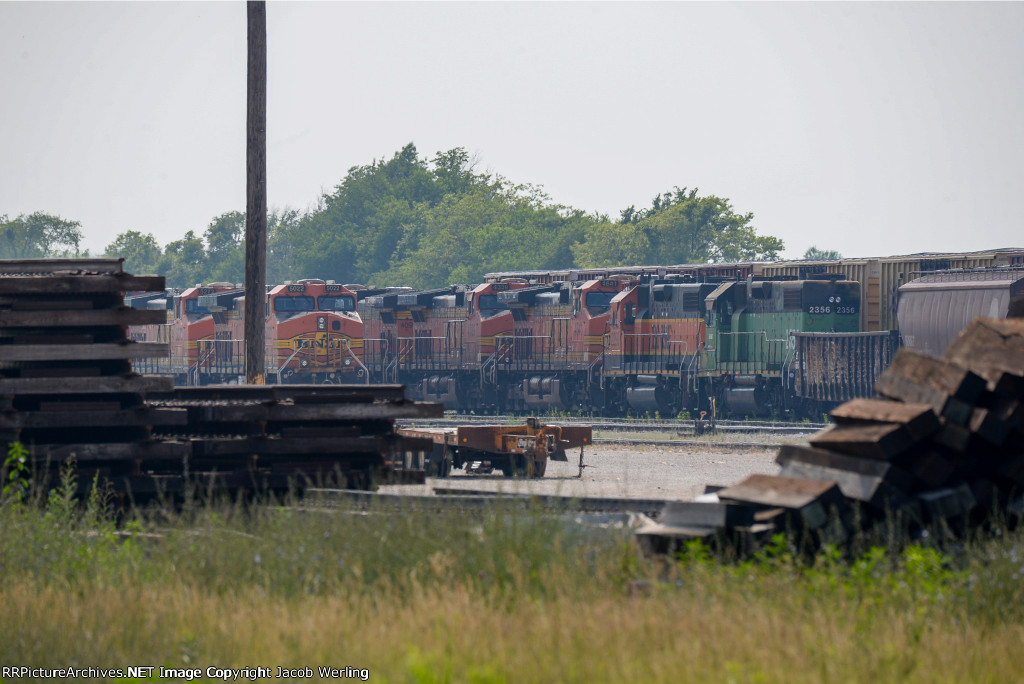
point(425, 222)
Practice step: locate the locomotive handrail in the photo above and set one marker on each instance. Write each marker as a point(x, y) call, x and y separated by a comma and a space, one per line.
point(202, 358)
point(590, 371)
point(381, 351)
point(285, 364)
point(788, 363)
point(573, 353)
point(689, 369)
point(515, 338)
point(491, 362)
point(432, 355)
point(348, 348)
point(761, 335)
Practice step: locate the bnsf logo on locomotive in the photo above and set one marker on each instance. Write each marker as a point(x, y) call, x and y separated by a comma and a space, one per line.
point(320, 342)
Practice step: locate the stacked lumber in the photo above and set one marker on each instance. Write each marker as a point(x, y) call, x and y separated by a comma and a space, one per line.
point(69, 395)
point(942, 445)
point(742, 517)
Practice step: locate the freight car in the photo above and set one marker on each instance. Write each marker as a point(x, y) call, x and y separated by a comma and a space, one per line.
point(933, 309)
point(829, 369)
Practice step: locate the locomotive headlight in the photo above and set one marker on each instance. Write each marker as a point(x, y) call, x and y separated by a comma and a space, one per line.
point(304, 362)
point(831, 299)
point(348, 362)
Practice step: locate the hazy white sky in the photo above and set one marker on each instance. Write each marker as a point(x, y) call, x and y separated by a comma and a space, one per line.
point(868, 128)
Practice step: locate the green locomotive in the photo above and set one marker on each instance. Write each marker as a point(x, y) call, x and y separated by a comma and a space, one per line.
point(749, 351)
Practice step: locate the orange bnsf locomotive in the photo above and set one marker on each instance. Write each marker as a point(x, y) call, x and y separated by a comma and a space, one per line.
point(313, 334)
point(500, 346)
point(656, 331)
point(192, 331)
point(438, 342)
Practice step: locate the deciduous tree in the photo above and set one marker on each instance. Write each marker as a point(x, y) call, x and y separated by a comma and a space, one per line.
point(141, 253)
point(39, 235)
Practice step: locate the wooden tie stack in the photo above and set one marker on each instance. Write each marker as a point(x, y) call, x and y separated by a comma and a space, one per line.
point(944, 444)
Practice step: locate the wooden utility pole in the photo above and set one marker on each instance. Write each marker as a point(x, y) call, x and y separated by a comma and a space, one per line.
point(256, 196)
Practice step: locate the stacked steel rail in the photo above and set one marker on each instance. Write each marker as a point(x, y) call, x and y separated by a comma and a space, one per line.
point(69, 396)
point(66, 382)
point(273, 437)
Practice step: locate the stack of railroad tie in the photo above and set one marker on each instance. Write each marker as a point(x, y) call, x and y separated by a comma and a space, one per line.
point(69, 396)
point(66, 381)
point(276, 436)
point(944, 444)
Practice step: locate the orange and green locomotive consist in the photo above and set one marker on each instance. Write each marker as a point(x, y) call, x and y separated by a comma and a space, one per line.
point(618, 344)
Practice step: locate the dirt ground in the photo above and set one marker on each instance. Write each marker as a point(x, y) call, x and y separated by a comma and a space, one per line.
point(642, 472)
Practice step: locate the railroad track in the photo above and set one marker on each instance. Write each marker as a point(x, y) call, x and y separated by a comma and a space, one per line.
point(686, 442)
point(463, 499)
point(676, 427)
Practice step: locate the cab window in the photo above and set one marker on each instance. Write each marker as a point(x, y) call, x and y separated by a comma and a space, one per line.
point(489, 301)
point(600, 299)
point(192, 307)
point(336, 303)
point(293, 303)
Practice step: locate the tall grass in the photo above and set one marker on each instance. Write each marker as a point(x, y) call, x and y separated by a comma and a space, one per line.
point(494, 596)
